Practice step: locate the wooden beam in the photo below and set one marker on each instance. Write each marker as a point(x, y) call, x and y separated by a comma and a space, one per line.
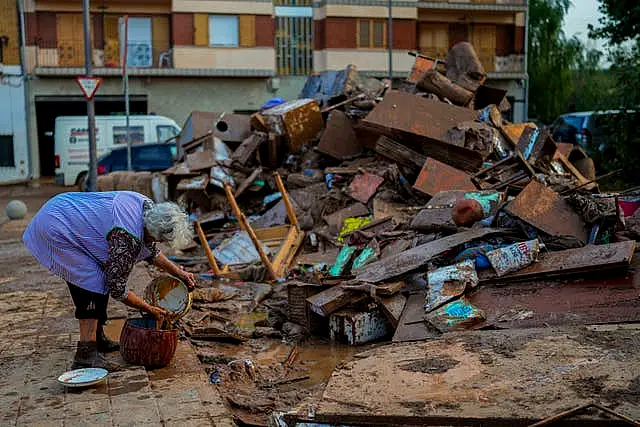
point(287, 202)
point(207, 249)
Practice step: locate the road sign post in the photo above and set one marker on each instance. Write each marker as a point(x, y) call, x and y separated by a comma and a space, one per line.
point(91, 112)
point(124, 38)
point(89, 85)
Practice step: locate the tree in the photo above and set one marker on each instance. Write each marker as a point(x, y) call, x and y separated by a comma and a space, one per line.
point(620, 25)
point(551, 58)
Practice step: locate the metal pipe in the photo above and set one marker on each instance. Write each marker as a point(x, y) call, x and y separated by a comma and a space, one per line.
point(526, 63)
point(25, 80)
point(91, 112)
point(126, 91)
point(390, 40)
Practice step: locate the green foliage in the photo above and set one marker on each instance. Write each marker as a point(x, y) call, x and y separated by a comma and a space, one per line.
point(621, 26)
point(551, 59)
point(620, 23)
point(594, 88)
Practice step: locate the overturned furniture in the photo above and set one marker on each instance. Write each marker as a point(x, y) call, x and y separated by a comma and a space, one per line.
point(283, 240)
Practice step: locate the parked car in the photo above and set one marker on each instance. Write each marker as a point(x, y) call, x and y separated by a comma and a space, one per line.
point(571, 128)
point(144, 157)
point(71, 140)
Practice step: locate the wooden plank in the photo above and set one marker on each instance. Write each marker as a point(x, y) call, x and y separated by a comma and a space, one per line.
point(392, 308)
point(201, 160)
point(411, 326)
point(436, 176)
point(247, 182)
point(207, 249)
point(333, 299)
point(272, 233)
point(418, 257)
point(389, 289)
point(201, 29)
point(399, 153)
point(546, 210)
point(590, 258)
point(243, 153)
point(287, 251)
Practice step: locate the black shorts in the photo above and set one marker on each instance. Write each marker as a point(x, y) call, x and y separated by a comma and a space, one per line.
point(89, 305)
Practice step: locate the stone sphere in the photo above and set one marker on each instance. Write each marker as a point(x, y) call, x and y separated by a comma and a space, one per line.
point(16, 209)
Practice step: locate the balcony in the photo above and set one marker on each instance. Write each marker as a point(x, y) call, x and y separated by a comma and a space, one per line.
point(66, 58)
point(478, 5)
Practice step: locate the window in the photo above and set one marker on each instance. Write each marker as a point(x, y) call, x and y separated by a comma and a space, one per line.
point(120, 134)
point(372, 33)
point(7, 158)
point(154, 157)
point(166, 132)
point(139, 48)
point(223, 30)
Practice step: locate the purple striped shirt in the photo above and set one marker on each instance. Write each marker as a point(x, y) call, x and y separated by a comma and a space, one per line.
point(68, 235)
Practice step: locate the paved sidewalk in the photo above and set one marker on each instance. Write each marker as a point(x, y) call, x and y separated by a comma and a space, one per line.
point(38, 337)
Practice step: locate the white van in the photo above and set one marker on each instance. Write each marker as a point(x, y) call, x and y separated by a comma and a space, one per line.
point(72, 140)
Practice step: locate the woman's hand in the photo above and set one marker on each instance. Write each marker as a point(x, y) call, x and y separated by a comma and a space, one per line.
point(157, 312)
point(189, 279)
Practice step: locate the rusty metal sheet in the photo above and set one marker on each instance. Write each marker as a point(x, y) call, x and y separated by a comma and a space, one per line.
point(564, 148)
point(200, 160)
point(418, 257)
point(364, 186)
point(514, 131)
point(600, 299)
point(298, 120)
point(339, 140)
point(486, 96)
point(573, 261)
point(536, 144)
point(421, 65)
point(233, 127)
point(436, 176)
point(546, 210)
point(422, 125)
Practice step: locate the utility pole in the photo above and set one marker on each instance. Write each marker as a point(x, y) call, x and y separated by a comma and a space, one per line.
point(91, 112)
point(390, 40)
point(124, 43)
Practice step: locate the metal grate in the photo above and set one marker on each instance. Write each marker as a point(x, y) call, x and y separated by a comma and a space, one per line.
point(294, 38)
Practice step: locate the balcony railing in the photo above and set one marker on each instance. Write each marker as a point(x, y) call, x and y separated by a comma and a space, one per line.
point(506, 5)
point(70, 54)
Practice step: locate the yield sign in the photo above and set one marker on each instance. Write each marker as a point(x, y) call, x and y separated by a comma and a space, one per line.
point(89, 85)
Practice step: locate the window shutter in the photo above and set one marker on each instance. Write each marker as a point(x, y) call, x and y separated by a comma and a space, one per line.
point(70, 36)
point(201, 29)
point(247, 30)
point(111, 40)
point(160, 35)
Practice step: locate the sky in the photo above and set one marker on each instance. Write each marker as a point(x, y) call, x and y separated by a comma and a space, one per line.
point(579, 17)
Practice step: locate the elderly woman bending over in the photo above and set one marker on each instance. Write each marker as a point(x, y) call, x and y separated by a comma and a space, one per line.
point(92, 241)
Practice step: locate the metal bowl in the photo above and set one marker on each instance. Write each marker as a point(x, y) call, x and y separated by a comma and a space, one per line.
point(170, 293)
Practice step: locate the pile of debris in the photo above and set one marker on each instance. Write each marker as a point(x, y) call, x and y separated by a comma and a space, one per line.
point(379, 213)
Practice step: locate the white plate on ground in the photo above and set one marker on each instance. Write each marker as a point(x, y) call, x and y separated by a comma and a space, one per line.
point(83, 377)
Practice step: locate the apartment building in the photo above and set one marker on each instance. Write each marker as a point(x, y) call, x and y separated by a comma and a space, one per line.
point(233, 55)
point(14, 153)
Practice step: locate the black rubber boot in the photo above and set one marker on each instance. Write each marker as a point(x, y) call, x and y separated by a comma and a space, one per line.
point(88, 356)
point(105, 345)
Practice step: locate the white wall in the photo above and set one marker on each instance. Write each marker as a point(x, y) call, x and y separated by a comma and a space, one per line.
point(13, 122)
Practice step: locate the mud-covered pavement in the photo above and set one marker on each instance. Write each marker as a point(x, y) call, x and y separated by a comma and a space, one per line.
point(38, 339)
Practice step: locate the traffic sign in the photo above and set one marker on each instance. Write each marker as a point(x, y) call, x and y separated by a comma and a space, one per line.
point(89, 85)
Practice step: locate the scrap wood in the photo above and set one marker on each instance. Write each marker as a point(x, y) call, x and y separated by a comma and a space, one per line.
point(582, 408)
point(343, 103)
point(291, 358)
point(418, 257)
point(591, 258)
point(211, 333)
point(411, 326)
point(243, 153)
point(207, 250)
point(392, 308)
point(247, 182)
point(330, 300)
point(399, 153)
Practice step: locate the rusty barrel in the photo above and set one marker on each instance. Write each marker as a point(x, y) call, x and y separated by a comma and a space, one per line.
point(142, 344)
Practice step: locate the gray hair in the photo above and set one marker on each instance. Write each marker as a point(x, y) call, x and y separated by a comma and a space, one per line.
point(167, 222)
